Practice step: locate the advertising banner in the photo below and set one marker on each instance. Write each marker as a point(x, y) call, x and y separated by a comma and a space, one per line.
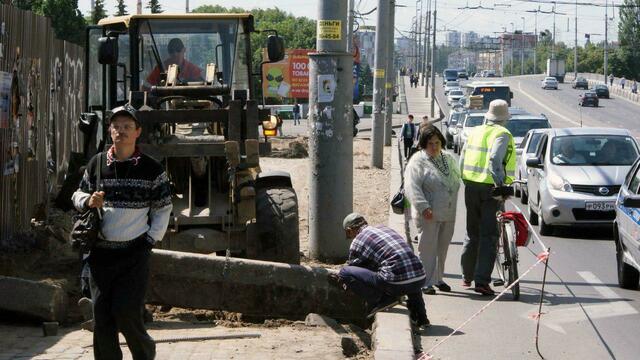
point(288, 78)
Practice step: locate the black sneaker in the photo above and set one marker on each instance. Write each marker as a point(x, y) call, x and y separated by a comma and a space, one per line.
point(420, 324)
point(429, 290)
point(443, 286)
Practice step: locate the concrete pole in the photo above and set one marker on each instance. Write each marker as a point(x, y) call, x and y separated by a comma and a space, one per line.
point(428, 52)
point(350, 28)
point(522, 48)
point(331, 134)
point(425, 59)
point(186, 8)
point(553, 37)
point(379, 80)
point(575, 44)
point(433, 59)
point(606, 40)
point(139, 7)
point(390, 73)
point(418, 33)
point(535, 50)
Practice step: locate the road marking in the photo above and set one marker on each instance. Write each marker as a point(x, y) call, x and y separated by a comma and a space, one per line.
point(613, 306)
point(546, 107)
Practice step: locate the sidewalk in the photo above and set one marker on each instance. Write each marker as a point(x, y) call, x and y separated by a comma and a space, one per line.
point(614, 89)
point(393, 339)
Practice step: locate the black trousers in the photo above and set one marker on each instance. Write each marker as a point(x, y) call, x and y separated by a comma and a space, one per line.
point(408, 143)
point(119, 280)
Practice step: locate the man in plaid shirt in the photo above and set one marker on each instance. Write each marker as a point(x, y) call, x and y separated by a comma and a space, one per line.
point(381, 268)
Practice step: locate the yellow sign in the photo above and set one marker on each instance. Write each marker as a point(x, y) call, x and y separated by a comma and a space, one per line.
point(380, 73)
point(388, 85)
point(329, 30)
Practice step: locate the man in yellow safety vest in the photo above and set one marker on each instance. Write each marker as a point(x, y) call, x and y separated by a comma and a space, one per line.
point(488, 159)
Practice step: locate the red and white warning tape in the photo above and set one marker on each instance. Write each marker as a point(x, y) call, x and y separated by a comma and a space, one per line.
point(542, 257)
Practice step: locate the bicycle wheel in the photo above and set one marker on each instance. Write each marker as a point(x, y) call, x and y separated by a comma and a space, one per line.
point(501, 256)
point(512, 252)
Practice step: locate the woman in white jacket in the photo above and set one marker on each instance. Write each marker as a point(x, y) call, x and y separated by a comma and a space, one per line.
point(432, 181)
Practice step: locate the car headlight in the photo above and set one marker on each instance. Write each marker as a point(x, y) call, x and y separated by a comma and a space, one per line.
point(558, 183)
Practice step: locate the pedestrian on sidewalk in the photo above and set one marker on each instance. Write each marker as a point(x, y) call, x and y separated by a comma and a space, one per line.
point(611, 79)
point(296, 113)
point(487, 160)
point(135, 194)
point(409, 132)
point(432, 181)
point(634, 87)
point(382, 268)
point(623, 81)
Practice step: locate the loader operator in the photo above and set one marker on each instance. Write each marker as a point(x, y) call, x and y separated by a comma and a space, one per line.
point(188, 70)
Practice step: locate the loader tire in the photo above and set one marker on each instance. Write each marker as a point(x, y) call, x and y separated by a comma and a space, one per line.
point(277, 225)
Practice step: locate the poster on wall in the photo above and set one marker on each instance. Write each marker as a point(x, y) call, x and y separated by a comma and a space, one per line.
point(5, 98)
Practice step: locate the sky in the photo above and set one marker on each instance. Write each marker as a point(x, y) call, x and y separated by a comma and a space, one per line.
point(449, 15)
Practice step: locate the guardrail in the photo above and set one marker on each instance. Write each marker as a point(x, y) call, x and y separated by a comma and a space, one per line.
point(615, 89)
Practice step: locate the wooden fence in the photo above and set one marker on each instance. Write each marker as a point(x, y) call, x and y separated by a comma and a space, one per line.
point(41, 97)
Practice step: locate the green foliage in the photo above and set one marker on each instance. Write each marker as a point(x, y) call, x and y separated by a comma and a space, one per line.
point(98, 12)
point(66, 19)
point(121, 8)
point(154, 6)
point(626, 60)
point(297, 32)
point(365, 85)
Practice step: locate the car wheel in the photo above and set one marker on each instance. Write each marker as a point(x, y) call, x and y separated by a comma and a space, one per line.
point(545, 229)
point(533, 217)
point(628, 276)
point(517, 190)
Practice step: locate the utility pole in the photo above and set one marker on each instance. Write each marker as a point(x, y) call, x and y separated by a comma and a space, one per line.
point(575, 44)
point(350, 27)
point(553, 37)
point(522, 48)
point(390, 73)
point(606, 41)
point(330, 140)
point(419, 61)
point(139, 7)
point(433, 59)
point(535, 50)
point(379, 80)
point(428, 49)
point(186, 8)
point(425, 59)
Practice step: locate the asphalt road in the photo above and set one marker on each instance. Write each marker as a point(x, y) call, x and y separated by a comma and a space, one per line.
point(585, 314)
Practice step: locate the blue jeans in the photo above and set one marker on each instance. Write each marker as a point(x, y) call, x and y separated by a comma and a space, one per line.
point(368, 285)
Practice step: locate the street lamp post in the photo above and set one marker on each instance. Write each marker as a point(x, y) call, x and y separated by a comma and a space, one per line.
point(522, 48)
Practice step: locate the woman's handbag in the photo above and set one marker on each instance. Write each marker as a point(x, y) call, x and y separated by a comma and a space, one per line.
point(397, 203)
point(86, 226)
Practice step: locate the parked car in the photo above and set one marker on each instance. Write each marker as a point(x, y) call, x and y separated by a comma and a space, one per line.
point(602, 91)
point(580, 83)
point(471, 119)
point(626, 228)
point(588, 98)
point(575, 176)
point(527, 148)
point(453, 96)
point(452, 126)
point(549, 83)
point(449, 85)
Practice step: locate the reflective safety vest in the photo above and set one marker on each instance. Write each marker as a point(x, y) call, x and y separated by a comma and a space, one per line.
point(476, 157)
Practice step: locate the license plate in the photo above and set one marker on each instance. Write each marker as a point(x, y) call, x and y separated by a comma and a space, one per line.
point(601, 205)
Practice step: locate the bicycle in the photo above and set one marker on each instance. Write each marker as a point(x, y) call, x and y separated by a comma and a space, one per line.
point(506, 249)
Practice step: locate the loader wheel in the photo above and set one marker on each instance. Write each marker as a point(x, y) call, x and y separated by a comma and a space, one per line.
point(277, 225)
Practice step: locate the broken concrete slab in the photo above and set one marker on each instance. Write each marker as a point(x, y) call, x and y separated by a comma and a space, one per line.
point(320, 320)
point(246, 286)
point(36, 299)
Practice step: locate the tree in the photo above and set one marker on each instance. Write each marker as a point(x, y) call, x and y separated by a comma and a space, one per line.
point(628, 54)
point(154, 6)
point(98, 12)
point(121, 8)
point(66, 19)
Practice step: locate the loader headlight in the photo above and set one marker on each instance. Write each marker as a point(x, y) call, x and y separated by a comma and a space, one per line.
point(270, 126)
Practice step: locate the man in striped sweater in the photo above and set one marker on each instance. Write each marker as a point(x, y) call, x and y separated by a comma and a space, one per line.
point(134, 197)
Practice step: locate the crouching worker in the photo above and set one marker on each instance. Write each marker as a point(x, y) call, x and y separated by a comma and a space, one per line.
point(382, 268)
